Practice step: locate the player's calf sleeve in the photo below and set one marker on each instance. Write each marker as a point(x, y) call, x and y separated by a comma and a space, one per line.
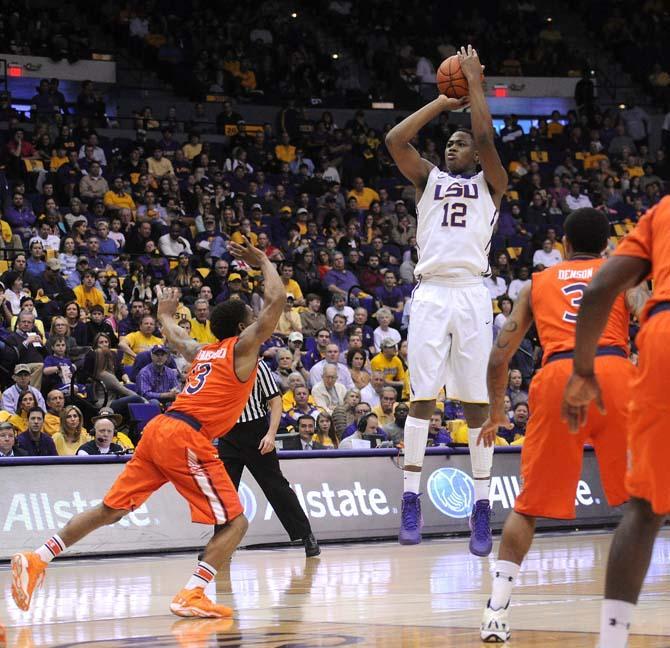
point(415, 439)
point(481, 459)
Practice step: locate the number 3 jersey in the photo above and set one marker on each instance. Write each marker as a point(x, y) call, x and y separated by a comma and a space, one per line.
point(556, 294)
point(213, 394)
point(456, 217)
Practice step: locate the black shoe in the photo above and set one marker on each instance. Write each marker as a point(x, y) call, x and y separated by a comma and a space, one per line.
point(311, 546)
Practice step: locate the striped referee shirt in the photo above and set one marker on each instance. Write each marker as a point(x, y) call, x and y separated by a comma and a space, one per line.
point(265, 388)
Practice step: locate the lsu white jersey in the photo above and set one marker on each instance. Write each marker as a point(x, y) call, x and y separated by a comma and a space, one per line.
point(456, 217)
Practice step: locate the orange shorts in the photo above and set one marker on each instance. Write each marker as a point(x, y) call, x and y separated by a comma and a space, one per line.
point(649, 442)
point(551, 459)
point(172, 451)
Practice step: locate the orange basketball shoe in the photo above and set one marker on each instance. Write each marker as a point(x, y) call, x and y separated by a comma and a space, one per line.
point(195, 603)
point(27, 574)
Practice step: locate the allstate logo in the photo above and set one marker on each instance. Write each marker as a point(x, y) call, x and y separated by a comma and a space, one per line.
point(452, 492)
point(248, 501)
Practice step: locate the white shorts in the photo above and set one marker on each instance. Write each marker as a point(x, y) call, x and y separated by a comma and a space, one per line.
point(450, 338)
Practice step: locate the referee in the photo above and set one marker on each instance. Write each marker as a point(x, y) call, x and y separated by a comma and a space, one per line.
point(251, 443)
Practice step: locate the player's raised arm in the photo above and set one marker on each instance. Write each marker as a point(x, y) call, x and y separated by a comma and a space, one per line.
point(177, 337)
point(274, 296)
point(619, 273)
point(482, 127)
point(504, 348)
point(415, 168)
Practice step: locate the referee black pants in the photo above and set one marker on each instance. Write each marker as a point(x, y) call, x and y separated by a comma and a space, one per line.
point(239, 448)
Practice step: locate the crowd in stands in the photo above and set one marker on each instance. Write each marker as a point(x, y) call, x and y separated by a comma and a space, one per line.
point(89, 233)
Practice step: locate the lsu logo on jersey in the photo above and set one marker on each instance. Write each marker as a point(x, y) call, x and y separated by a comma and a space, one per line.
point(456, 190)
point(197, 378)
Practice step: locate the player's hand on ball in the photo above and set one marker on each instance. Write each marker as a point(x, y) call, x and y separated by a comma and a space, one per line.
point(497, 419)
point(579, 392)
point(168, 300)
point(449, 103)
point(473, 70)
point(247, 252)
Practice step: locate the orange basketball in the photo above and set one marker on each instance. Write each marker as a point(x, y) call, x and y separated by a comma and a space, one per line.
point(450, 79)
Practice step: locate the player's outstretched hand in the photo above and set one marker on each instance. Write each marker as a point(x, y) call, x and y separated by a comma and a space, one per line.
point(168, 300)
point(579, 392)
point(489, 432)
point(473, 70)
point(247, 252)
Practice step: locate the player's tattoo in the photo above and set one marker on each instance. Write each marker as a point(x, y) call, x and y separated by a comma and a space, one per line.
point(510, 326)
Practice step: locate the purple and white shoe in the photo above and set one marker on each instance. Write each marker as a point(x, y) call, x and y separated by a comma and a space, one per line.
point(411, 519)
point(481, 541)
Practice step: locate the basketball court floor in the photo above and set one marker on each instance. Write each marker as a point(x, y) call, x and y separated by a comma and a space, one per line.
point(377, 594)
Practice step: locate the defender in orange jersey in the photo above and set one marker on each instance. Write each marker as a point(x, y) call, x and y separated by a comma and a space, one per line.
point(177, 446)
point(551, 459)
point(643, 252)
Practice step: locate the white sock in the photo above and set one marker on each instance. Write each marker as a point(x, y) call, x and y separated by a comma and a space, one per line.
point(415, 439)
point(615, 617)
point(51, 548)
point(504, 575)
point(481, 459)
point(203, 575)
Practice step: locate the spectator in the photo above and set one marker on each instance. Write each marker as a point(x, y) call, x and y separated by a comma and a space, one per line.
point(516, 285)
point(339, 307)
point(8, 443)
point(505, 305)
point(339, 280)
point(289, 321)
point(302, 407)
point(514, 388)
point(396, 429)
point(368, 425)
point(364, 195)
point(325, 433)
point(86, 294)
point(331, 359)
point(373, 391)
point(356, 361)
point(343, 415)
point(156, 382)
point(516, 435)
point(72, 434)
point(58, 369)
point(328, 393)
point(385, 410)
point(317, 353)
point(390, 365)
point(390, 295)
point(173, 243)
point(437, 433)
point(117, 198)
point(339, 333)
point(384, 330)
point(547, 256)
point(29, 347)
point(291, 285)
point(306, 431)
point(101, 444)
point(311, 318)
point(495, 283)
point(93, 185)
point(159, 167)
point(35, 442)
point(200, 326)
point(55, 404)
point(576, 199)
point(138, 341)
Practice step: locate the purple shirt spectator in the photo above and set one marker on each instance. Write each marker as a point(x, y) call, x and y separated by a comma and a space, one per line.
point(43, 447)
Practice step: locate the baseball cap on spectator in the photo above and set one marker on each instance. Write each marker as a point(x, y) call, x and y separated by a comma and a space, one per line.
point(79, 219)
point(302, 210)
point(159, 348)
point(256, 207)
point(399, 202)
point(6, 425)
point(110, 414)
point(388, 342)
point(21, 368)
point(234, 276)
point(82, 259)
point(96, 308)
point(53, 264)
point(296, 336)
point(285, 210)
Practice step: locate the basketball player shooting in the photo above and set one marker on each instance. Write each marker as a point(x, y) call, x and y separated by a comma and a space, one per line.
point(177, 446)
point(450, 332)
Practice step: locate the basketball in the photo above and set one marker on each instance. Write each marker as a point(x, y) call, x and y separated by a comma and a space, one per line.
point(450, 79)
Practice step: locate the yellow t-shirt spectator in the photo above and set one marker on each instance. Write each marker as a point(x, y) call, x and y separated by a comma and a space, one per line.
point(67, 448)
point(238, 237)
point(139, 342)
point(293, 287)
point(364, 197)
point(56, 162)
point(87, 298)
point(191, 150)
point(112, 199)
point(554, 128)
point(202, 332)
point(160, 168)
point(288, 401)
point(392, 369)
point(285, 153)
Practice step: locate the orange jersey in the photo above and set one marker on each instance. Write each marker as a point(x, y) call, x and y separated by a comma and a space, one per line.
point(556, 294)
point(650, 240)
point(213, 394)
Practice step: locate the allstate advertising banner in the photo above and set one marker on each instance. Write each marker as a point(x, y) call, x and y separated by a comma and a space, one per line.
point(353, 497)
